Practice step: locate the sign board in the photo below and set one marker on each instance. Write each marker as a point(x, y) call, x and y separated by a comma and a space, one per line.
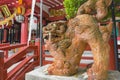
point(5, 10)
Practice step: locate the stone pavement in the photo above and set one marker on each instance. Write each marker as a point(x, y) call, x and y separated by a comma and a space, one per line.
point(41, 74)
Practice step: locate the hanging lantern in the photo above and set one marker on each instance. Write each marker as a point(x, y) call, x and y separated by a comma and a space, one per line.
point(34, 23)
point(19, 18)
point(20, 12)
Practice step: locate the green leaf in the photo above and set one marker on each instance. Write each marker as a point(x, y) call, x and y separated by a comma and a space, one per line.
point(71, 7)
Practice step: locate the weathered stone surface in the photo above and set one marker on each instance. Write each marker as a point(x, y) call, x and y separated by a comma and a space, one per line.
point(40, 74)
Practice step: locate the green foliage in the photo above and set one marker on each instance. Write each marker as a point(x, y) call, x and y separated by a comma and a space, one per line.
point(71, 7)
point(117, 1)
point(117, 12)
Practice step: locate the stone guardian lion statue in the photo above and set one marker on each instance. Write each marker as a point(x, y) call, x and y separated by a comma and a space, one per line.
point(68, 39)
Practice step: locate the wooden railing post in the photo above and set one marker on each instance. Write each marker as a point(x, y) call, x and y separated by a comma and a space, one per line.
point(6, 54)
point(37, 52)
point(3, 71)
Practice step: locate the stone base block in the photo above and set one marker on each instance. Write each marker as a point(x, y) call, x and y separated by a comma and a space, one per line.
point(41, 74)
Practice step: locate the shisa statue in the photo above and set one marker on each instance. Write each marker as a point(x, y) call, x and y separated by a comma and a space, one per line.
point(68, 39)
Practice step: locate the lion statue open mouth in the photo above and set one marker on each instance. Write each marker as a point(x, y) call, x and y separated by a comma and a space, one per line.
point(55, 31)
point(68, 39)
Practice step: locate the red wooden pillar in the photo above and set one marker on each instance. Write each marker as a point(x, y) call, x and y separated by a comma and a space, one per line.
point(3, 71)
point(112, 65)
point(24, 32)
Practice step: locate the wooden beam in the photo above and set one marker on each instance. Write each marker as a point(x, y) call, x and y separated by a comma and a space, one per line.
point(61, 1)
point(37, 10)
point(57, 7)
point(56, 18)
point(47, 4)
point(56, 2)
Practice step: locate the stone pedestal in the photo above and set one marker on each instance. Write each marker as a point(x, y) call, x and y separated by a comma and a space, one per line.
point(41, 74)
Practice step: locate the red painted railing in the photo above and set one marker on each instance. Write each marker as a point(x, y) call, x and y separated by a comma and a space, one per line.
point(26, 59)
point(6, 51)
point(4, 44)
point(6, 47)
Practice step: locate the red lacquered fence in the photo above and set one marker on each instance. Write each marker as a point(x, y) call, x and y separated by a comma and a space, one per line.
point(25, 61)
